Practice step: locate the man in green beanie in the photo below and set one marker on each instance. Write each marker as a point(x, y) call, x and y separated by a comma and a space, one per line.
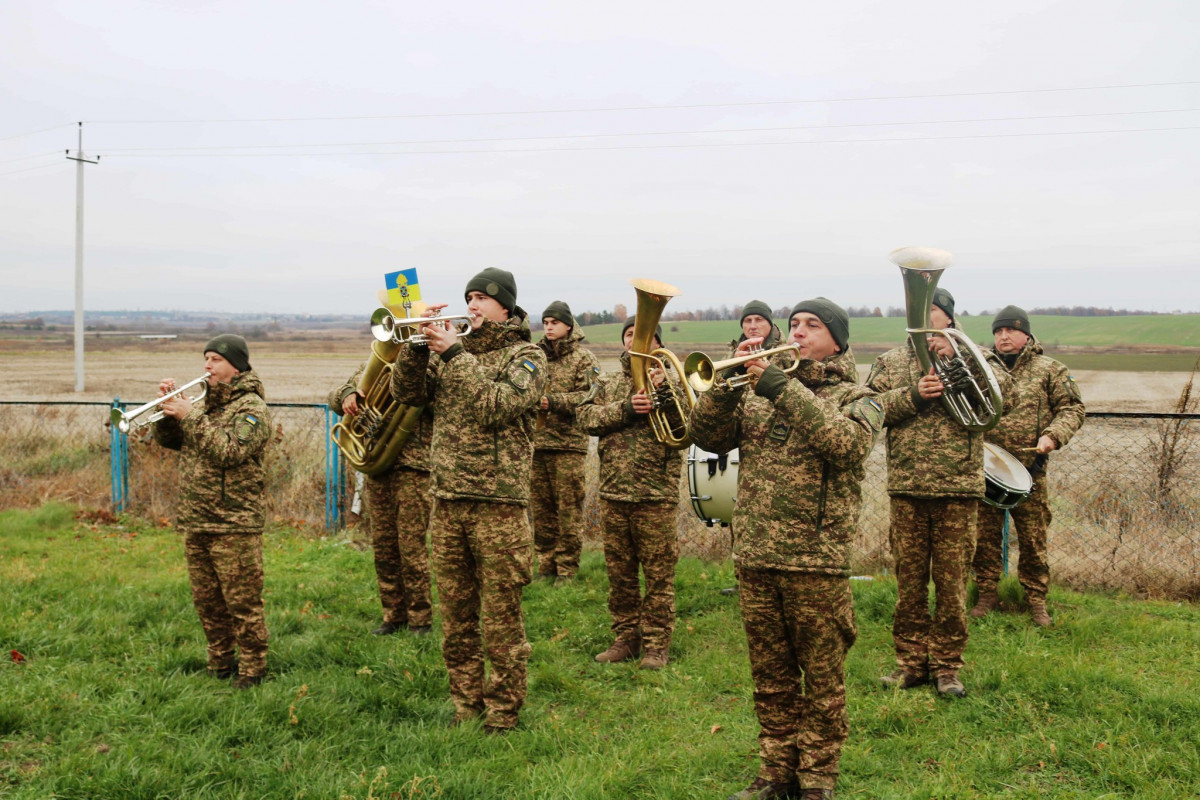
point(222, 439)
point(756, 323)
point(560, 445)
point(1047, 413)
point(935, 480)
point(803, 439)
point(639, 498)
point(484, 390)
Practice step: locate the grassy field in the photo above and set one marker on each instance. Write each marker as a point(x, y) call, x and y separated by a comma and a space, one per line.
point(111, 699)
point(1159, 330)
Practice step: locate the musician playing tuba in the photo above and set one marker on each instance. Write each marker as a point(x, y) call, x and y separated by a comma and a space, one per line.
point(935, 480)
point(639, 497)
point(1048, 410)
point(396, 493)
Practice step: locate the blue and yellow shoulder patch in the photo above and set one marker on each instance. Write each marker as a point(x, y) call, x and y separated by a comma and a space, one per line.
point(245, 427)
point(529, 366)
point(870, 411)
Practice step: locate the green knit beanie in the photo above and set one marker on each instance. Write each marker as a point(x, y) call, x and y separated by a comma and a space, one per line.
point(945, 301)
point(232, 348)
point(629, 323)
point(560, 311)
point(496, 283)
point(756, 307)
point(830, 313)
point(1012, 317)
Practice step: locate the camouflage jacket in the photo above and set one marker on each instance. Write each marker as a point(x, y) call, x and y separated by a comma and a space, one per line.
point(484, 401)
point(1046, 402)
point(774, 339)
point(572, 370)
point(222, 442)
point(929, 453)
point(801, 464)
point(634, 466)
point(415, 452)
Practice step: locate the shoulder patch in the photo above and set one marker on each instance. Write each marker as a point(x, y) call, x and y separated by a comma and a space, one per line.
point(521, 374)
point(1072, 388)
point(245, 427)
point(869, 410)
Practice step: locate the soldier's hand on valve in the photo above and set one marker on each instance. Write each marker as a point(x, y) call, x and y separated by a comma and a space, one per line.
point(930, 386)
point(350, 404)
point(177, 407)
point(641, 403)
point(941, 346)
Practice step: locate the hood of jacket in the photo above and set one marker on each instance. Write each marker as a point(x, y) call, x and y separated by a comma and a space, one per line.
point(491, 335)
point(561, 348)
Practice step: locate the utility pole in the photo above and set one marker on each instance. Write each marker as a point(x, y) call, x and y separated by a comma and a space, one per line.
point(79, 160)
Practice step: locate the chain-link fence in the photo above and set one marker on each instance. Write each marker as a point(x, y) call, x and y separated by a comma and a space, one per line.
point(1125, 493)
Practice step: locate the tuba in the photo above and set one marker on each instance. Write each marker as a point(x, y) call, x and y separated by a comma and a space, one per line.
point(971, 394)
point(668, 418)
point(372, 438)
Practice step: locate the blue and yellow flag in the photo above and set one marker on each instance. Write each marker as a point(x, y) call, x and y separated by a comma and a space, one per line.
point(405, 279)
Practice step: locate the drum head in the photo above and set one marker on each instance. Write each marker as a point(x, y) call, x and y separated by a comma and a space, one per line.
point(1003, 468)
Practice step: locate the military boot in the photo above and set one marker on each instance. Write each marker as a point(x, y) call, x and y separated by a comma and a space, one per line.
point(763, 789)
point(387, 629)
point(905, 679)
point(948, 685)
point(247, 681)
point(654, 659)
point(620, 650)
point(1038, 613)
point(988, 600)
point(817, 794)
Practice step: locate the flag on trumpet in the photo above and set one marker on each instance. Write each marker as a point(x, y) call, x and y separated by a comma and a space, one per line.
point(402, 287)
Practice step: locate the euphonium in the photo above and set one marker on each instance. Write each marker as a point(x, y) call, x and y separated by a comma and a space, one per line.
point(668, 418)
point(372, 438)
point(971, 394)
point(701, 371)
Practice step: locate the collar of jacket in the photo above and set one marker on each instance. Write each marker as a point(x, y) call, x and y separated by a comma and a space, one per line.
point(838, 368)
point(562, 347)
point(491, 335)
point(1032, 348)
point(224, 393)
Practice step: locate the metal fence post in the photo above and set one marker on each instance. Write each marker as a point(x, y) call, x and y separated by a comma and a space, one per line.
point(119, 462)
point(333, 474)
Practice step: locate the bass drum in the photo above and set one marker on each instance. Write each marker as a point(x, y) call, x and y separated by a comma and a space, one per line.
point(1008, 482)
point(712, 483)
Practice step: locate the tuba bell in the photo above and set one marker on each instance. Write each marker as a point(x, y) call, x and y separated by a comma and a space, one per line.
point(668, 418)
point(971, 394)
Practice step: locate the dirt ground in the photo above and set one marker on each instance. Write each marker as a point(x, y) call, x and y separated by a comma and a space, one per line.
point(304, 372)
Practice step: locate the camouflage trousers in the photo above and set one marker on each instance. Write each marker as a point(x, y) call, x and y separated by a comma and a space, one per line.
point(799, 627)
point(931, 538)
point(641, 534)
point(1031, 520)
point(556, 498)
point(226, 574)
point(482, 559)
point(398, 504)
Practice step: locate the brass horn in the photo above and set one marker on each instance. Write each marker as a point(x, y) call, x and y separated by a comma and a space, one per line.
point(126, 421)
point(372, 438)
point(387, 327)
point(701, 371)
point(971, 394)
point(668, 418)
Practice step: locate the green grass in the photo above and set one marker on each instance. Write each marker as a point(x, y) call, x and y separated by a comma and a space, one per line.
point(113, 700)
point(1166, 330)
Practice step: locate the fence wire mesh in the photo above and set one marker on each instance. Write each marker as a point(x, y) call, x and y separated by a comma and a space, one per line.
point(1125, 493)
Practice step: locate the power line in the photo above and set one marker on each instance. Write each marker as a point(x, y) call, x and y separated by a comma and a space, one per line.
point(662, 146)
point(602, 109)
point(34, 155)
point(641, 133)
point(30, 169)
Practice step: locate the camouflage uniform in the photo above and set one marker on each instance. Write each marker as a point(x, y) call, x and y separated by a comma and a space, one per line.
point(1046, 403)
point(560, 450)
point(639, 491)
point(483, 392)
point(798, 499)
point(398, 503)
point(935, 479)
point(222, 441)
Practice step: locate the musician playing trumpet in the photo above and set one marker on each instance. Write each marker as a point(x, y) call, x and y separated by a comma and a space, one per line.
point(935, 480)
point(802, 438)
point(1048, 410)
point(222, 439)
point(484, 390)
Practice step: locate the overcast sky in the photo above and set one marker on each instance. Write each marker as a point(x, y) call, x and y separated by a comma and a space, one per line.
point(284, 156)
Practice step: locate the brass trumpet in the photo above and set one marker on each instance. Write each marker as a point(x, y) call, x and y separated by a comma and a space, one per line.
point(385, 327)
point(126, 421)
point(701, 372)
point(972, 394)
